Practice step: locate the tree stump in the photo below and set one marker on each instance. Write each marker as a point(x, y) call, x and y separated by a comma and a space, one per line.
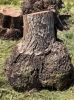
point(10, 33)
point(10, 19)
point(39, 60)
point(38, 31)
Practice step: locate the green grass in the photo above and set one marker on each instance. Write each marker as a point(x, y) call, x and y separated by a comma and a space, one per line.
point(68, 38)
point(7, 92)
point(11, 3)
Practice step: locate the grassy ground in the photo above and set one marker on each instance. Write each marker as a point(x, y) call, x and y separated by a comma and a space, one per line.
point(6, 91)
point(68, 39)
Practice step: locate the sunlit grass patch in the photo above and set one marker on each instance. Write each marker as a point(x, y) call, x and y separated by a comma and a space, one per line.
point(5, 50)
point(68, 39)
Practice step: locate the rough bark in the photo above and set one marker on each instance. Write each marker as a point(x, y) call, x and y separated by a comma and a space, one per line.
point(39, 60)
point(38, 31)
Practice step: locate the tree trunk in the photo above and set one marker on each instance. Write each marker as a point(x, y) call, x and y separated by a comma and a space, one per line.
point(38, 31)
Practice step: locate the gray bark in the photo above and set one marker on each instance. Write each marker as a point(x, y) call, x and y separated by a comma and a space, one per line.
point(38, 32)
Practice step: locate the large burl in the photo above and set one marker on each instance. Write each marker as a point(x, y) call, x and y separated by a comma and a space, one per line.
point(39, 61)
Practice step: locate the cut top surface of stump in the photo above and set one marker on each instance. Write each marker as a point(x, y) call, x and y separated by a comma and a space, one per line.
point(10, 11)
point(40, 12)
